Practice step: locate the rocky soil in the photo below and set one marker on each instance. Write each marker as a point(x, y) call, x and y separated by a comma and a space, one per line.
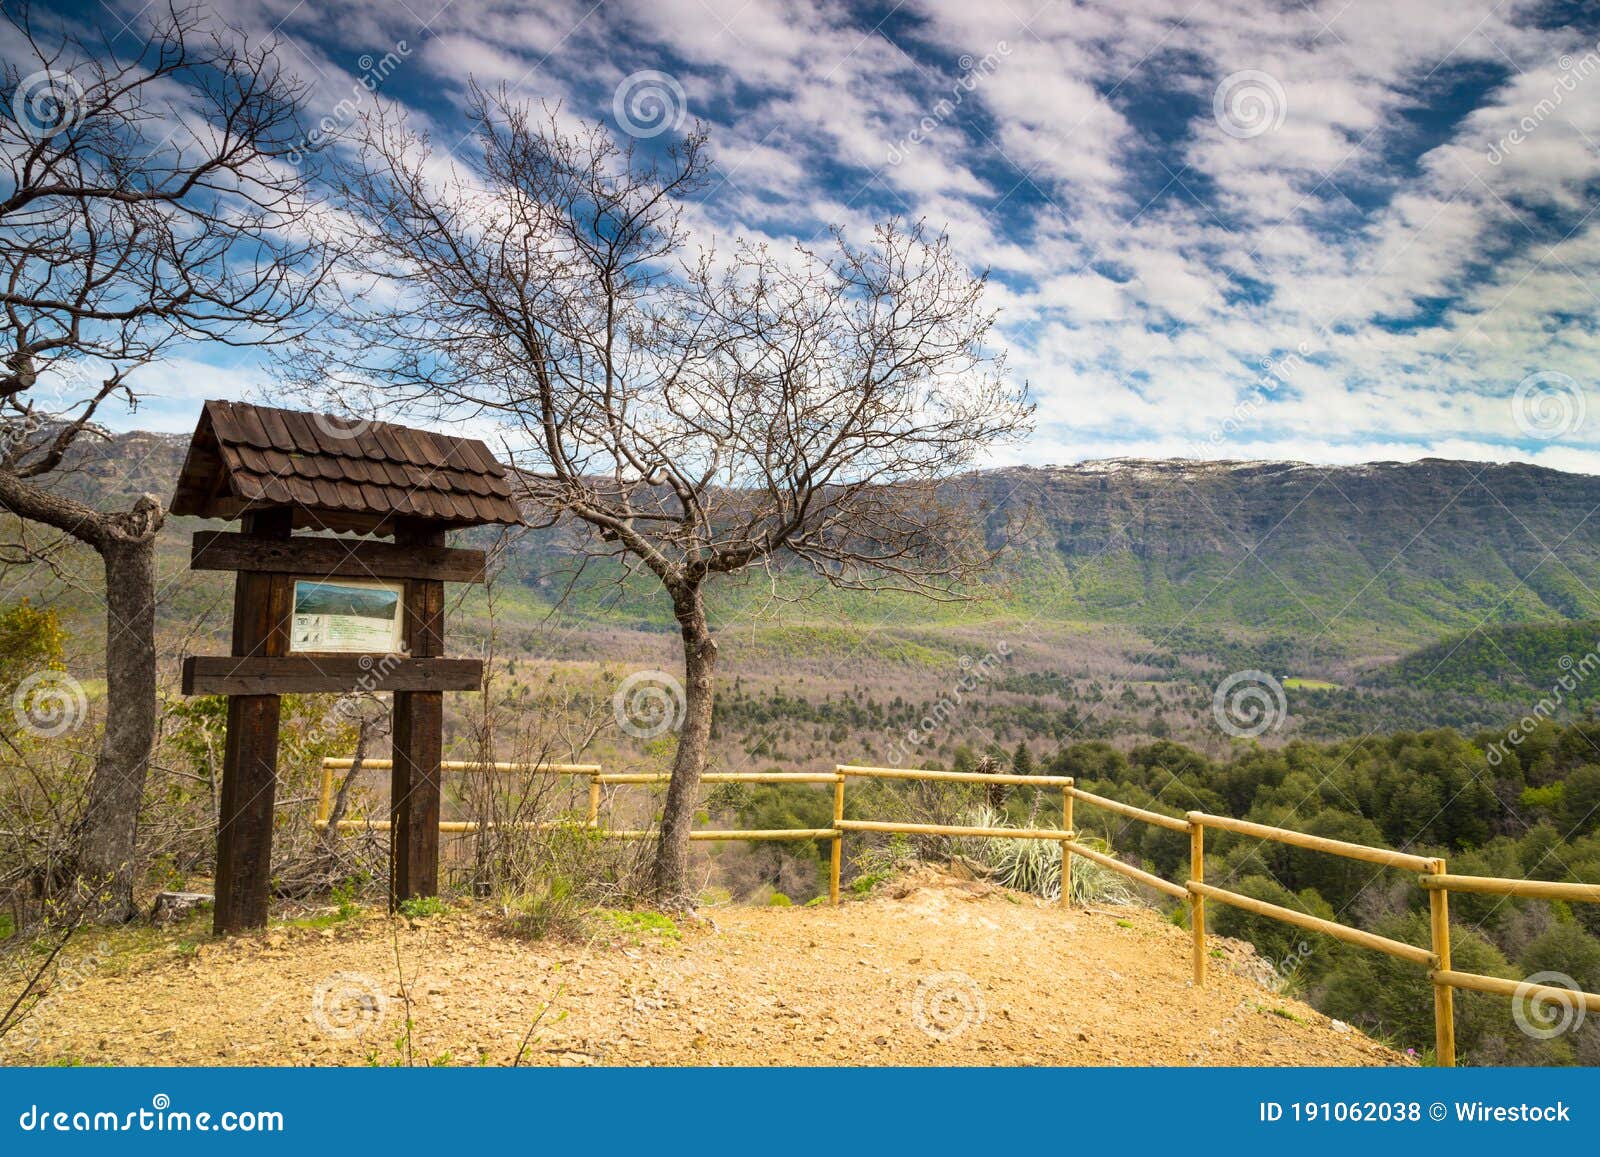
point(929, 971)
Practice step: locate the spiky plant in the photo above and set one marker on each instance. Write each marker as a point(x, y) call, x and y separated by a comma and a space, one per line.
point(1035, 865)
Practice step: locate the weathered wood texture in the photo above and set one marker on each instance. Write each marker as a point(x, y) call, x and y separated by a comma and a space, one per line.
point(261, 607)
point(338, 475)
point(333, 557)
point(418, 738)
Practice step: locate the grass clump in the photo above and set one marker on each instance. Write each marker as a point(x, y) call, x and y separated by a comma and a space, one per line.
point(1035, 865)
point(421, 907)
point(550, 910)
point(878, 864)
point(641, 924)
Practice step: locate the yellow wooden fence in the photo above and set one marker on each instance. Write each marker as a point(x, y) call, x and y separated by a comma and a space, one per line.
point(1431, 872)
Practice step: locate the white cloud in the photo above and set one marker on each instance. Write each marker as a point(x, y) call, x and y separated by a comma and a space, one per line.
point(1147, 259)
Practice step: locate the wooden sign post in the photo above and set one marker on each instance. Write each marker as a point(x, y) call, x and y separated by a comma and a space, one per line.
point(332, 614)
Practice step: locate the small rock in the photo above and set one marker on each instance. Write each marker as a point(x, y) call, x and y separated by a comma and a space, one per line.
point(1339, 1026)
point(172, 906)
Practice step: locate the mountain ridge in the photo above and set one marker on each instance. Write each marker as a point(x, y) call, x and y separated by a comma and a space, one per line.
point(1366, 560)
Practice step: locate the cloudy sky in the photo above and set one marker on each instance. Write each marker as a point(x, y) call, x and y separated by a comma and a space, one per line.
point(1335, 232)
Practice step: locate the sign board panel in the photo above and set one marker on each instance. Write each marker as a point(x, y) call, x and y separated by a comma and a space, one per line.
point(347, 616)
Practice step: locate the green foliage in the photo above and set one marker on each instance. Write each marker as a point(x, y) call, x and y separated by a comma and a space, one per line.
point(1429, 793)
point(552, 909)
point(1279, 943)
point(1393, 998)
point(1516, 664)
point(1568, 950)
point(31, 639)
point(1580, 801)
point(878, 863)
point(421, 907)
point(638, 924)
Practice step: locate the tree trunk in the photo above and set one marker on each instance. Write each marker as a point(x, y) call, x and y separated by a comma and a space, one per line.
point(116, 791)
point(694, 739)
point(126, 545)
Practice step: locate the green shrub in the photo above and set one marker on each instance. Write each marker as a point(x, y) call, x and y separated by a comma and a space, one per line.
point(416, 907)
point(638, 924)
point(551, 910)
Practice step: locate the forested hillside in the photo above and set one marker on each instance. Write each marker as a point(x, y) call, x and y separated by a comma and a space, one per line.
point(1533, 814)
point(1313, 561)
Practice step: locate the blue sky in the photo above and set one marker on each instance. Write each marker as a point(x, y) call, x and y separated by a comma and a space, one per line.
point(1333, 232)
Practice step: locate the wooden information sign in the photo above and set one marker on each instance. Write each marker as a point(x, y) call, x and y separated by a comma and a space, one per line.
point(320, 613)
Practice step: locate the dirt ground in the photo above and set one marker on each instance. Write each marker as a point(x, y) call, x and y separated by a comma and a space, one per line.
point(929, 971)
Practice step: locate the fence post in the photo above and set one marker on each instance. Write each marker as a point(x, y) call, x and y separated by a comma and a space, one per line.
point(594, 801)
point(836, 856)
point(1197, 903)
point(1066, 851)
point(325, 796)
point(1444, 996)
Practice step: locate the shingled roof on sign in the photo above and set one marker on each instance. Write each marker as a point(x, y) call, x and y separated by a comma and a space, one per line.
point(336, 473)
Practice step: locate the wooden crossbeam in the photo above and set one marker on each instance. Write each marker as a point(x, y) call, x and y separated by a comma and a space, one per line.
point(333, 557)
point(306, 674)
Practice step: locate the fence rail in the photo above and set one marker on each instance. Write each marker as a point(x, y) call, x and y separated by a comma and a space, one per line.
point(1430, 871)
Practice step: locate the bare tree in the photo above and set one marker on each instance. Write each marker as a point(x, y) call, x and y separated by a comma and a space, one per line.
point(702, 413)
point(145, 201)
